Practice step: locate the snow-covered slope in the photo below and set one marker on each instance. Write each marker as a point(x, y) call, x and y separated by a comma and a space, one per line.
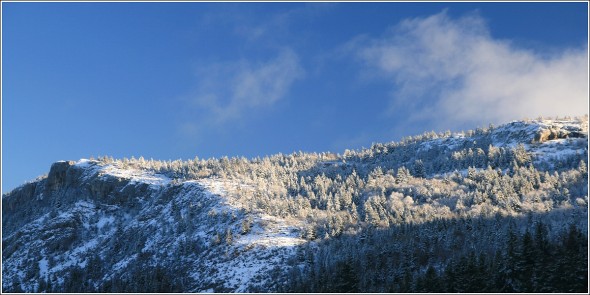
point(110, 218)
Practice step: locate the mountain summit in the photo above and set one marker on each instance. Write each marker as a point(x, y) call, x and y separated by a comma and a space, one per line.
point(497, 209)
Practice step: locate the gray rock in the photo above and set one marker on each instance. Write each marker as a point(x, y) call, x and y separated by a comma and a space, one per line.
point(57, 175)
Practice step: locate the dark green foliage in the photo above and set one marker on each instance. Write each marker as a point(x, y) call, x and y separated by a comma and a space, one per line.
point(345, 278)
point(144, 279)
point(525, 263)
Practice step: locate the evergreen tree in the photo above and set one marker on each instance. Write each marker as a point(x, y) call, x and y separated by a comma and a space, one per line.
point(345, 280)
point(525, 264)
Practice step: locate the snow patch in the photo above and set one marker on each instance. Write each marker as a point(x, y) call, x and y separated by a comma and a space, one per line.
point(43, 267)
point(123, 263)
point(267, 230)
point(270, 231)
point(136, 175)
point(104, 220)
point(83, 163)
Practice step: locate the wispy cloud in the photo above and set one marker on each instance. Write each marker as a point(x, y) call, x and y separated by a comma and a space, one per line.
point(231, 90)
point(228, 90)
point(280, 25)
point(451, 72)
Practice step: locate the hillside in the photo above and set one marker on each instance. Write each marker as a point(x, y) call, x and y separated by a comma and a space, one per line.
point(396, 217)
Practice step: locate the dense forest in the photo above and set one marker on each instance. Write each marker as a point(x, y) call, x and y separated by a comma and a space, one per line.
point(528, 262)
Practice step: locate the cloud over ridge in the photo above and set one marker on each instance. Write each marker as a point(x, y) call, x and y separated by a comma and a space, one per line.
point(453, 72)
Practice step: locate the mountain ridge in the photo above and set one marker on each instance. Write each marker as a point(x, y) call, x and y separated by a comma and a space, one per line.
point(237, 225)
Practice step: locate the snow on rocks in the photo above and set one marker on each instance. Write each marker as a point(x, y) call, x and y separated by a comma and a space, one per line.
point(135, 175)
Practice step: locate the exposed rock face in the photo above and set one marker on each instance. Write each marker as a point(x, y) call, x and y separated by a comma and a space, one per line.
point(65, 183)
point(558, 132)
point(57, 175)
point(546, 134)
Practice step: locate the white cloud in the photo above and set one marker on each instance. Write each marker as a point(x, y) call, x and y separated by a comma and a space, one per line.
point(228, 90)
point(452, 72)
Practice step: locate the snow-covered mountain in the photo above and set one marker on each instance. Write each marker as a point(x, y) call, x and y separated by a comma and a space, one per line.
point(237, 225)
point(88, 215)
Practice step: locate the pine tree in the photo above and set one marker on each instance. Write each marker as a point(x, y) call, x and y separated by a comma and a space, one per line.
point(542, 277)
point(575, 261)
point(512, 256)
point(450, 278)
point(229, 238)
point(345, 280)
point(431, 281)
point(419, 170)
point(525, 265)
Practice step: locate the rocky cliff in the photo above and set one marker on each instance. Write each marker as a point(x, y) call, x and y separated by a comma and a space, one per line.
point(87, 221)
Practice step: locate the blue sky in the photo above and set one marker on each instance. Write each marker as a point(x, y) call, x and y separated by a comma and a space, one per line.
point(179, 80)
